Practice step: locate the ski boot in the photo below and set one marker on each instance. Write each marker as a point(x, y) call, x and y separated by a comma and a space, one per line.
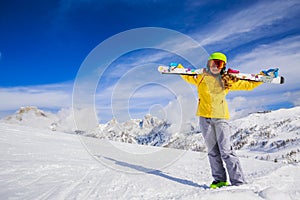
point(218, 184)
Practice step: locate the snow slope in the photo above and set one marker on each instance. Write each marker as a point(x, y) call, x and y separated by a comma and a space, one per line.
point(270, 136)
point(42, 164)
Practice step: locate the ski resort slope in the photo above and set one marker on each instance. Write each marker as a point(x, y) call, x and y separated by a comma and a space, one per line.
point(42, 164)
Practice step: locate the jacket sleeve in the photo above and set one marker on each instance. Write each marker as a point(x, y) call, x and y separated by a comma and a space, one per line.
point(190, 79)
point(245, 85)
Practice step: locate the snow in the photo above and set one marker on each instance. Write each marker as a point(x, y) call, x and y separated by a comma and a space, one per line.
point(272, 136)
point(37, 163)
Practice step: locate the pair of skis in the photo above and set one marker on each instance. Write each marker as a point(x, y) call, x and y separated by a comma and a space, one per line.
point(269, 76)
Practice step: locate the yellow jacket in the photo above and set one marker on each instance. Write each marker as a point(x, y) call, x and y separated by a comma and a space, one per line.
point(212, 102)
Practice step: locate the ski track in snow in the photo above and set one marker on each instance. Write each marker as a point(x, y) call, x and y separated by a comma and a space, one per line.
point(40, 164)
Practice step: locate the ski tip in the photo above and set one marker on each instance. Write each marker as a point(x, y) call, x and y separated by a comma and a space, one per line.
point(282, 80)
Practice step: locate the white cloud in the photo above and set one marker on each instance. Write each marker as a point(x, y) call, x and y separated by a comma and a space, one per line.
point(239, 106)
point(139, 90)
point(284, 54)
point(249, 22)
point(293, 96)
point(47, 96)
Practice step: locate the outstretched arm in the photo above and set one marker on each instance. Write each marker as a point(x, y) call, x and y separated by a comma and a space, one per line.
point(188, 78)
point(245, 85)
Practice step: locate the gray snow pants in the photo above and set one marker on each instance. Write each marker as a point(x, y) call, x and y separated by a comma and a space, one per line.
point(216, 133)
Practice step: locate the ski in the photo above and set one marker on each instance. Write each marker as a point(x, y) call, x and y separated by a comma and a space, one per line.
point(259, 77)
point(270, 76)
point(179, 71)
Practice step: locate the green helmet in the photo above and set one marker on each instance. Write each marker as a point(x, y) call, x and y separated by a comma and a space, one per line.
point(218, 56)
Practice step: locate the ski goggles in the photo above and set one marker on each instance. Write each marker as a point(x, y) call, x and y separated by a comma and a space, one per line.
point(220, 64)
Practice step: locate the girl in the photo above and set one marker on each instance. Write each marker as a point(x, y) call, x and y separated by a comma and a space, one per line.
point(213, 86)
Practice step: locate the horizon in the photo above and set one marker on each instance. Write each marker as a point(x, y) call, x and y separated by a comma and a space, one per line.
point(67, 113)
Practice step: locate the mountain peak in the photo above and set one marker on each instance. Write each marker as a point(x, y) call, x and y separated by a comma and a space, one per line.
point(31, 116)
point(31, 109)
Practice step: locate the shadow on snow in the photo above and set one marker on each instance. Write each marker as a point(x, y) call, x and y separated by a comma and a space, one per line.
point(157, 173)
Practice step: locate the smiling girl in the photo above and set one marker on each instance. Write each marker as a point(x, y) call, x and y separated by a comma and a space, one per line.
point(213, 86)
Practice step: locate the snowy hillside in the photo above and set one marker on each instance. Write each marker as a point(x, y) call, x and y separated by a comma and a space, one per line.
point(272, 136)
point(42, 164)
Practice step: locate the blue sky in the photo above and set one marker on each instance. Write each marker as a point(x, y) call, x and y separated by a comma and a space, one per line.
point(44, 43)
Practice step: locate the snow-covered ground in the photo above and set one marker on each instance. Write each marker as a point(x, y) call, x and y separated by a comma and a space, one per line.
point(43, 164)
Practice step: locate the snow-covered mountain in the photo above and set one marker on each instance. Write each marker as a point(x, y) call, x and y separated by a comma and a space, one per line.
point(270, 136)
point(149, 131)
point(34, 117)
